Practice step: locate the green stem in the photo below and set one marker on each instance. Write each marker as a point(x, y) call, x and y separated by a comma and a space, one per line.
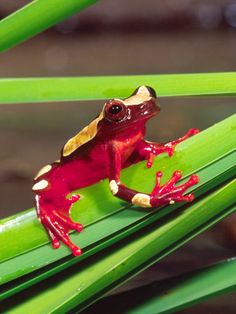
point(18, 90)
point(22, 233)
point(35, 18)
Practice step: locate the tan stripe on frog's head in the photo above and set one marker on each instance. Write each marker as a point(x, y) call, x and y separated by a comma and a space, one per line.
point(140, 95)
point(84, 136)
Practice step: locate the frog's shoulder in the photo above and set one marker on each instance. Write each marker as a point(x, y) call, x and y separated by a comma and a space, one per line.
point(84, 136)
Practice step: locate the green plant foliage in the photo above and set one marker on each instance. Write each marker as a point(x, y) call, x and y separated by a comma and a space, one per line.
point(106, 87)
point(27, 257)
point(23, 232)
point(35, 17)
point(20, 232)
point(173, 294)
point(80, 288)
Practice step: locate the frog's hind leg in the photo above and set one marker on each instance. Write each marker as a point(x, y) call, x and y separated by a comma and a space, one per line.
point(53, 211)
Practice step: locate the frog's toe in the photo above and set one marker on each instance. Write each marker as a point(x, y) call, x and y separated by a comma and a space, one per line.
point(58, 231)
point(58, 224)
point(67, 222)
point(169, 192)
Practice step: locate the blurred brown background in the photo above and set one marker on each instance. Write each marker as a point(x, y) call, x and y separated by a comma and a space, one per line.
point(119, 37)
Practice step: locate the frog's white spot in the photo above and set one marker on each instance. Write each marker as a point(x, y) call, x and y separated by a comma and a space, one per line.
point(40, 185)
point(142, 200)
point(42, 171)
point(171, 202)
point(114, 187)
point(57, 161)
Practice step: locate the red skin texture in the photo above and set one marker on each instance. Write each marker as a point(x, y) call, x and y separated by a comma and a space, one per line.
point(118, 143)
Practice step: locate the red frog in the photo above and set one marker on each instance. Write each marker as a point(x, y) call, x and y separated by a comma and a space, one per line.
point(111, 142)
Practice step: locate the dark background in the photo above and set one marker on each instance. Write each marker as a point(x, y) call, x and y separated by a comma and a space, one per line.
point(120, 37)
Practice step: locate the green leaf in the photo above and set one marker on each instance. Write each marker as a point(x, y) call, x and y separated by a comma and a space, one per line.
point(174, 294)
point(84, 284)
point(35, 17)
point(22, 232)
point(22, 254)
point(105, 87)
point(98, 236)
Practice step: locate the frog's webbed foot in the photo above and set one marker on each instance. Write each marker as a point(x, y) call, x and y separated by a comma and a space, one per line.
point(169, 193)
point(58, 223)
point(151, 150)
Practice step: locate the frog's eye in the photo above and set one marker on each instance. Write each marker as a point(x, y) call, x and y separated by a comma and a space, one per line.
point(115, 110)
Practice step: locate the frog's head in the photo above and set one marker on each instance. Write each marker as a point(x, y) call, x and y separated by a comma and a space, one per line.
point(138, 108)
point(117, 115)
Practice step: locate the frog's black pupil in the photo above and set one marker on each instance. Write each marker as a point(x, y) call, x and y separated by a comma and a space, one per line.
point(115, 109)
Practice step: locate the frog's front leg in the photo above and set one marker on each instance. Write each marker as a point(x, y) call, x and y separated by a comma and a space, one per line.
point(168, 193)
point(149, 150)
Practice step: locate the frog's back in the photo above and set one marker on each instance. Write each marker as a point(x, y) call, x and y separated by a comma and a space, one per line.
point(73, 173)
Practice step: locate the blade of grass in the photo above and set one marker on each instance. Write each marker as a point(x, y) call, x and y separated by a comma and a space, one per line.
point(114, 228)
point(98, 236)
point(35, 17)
point(95, 238)
point(174, 294)
point(34, 260)
point(117, 265)
point(105, 87)
point(22, 232)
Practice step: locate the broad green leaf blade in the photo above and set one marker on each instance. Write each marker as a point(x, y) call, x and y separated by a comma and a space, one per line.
point(105, 87)
point(35, 17)
point(100, 235)
point(13, 235)
point(22, 232)
point(174, 294)
point(79, 289)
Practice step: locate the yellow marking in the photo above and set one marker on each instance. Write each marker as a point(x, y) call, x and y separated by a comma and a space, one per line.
point(143, 90)
point(40, 185)
point(84, 136)
point(141, 95)
point(42, 171)
point(114, 187)
point(135, 100)
point(57, 161)
point(142, 200)
point(171, 202)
